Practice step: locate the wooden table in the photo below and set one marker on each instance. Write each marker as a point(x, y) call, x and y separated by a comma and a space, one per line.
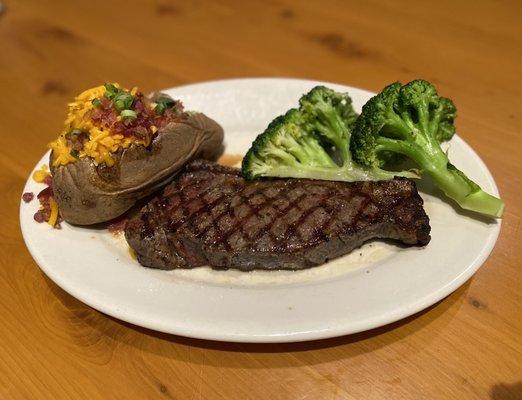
point(468, 346)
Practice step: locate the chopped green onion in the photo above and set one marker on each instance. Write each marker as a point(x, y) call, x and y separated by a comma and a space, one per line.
point(111, 91)
point(119, 105)
point(123, 101)
point(75, 154)
point(162, 104)
point(75, 132)
point(96, 102)
point(160, 108)
point(128, 114)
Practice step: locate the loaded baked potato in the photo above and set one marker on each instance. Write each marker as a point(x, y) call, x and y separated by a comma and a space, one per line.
point(119, 146)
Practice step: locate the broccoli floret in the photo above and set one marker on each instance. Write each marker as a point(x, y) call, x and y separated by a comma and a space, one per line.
point(304, 142)
point(412, 120)
point(284, 146)
point(330, 115)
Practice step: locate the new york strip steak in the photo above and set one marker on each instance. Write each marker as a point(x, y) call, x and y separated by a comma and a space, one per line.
point(209, 215)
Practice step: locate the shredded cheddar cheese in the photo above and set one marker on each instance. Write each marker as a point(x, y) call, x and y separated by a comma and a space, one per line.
point(40, 175)
point(101, 141)
point(53, 218)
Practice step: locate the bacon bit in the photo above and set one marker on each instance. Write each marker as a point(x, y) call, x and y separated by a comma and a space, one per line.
point(76, 139)
point(40, 216)
point(141, 132)
point(117, 225)
point(45, 194)
point(48, 180)
point(48, 211)
point(139, 106)
point(27, 197)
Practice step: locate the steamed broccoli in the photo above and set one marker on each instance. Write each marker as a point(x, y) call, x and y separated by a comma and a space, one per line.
point(412, 120)
point(311, 142)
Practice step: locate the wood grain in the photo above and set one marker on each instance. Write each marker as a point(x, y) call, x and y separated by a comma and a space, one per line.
point(466, 347)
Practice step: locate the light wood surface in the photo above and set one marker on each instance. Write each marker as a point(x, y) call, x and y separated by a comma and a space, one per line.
point(468, 346)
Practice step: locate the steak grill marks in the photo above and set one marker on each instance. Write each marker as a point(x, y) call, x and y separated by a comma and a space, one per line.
point(220, 217)
point(222, 236)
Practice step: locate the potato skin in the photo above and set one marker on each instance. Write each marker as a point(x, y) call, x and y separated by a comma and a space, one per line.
point(88, 194)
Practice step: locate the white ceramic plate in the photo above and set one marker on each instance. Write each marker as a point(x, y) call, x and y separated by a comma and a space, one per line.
point(375, 285)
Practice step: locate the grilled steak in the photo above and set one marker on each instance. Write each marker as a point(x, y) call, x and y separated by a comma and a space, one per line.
point(209, 215)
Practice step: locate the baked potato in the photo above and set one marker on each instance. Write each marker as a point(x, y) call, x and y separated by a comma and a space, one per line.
point(119, 146)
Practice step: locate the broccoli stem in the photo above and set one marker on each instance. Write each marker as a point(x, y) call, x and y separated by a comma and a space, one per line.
point(331, 173)
point(465, 192)
point(453, 182)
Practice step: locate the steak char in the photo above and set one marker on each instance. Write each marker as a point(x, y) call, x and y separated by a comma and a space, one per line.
point(209, 215)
